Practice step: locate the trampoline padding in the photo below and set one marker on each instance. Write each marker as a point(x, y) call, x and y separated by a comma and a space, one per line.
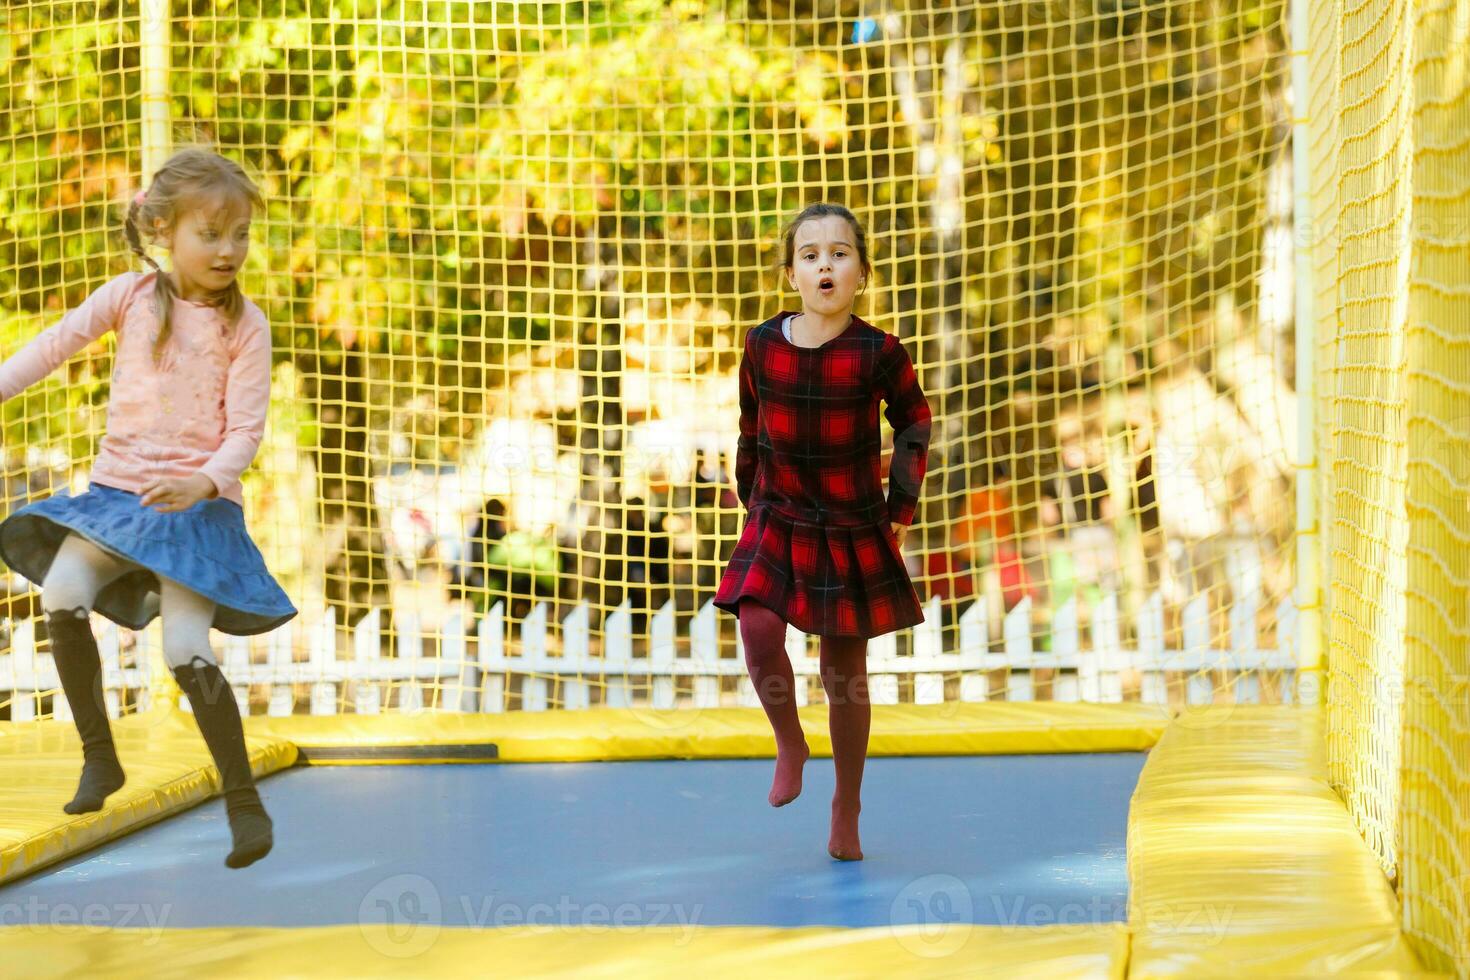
point(1099, 951)
point(1242, 860)
point(620, 734)
point(168, 769)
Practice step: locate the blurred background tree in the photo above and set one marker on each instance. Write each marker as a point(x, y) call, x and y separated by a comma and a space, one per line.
point(1065, 200)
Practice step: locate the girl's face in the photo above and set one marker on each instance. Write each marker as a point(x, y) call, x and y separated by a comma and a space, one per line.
point(825, 266)
point(209, 245)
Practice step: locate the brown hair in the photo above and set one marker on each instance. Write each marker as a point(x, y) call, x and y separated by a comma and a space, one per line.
point(187, 177)
point(824, 209)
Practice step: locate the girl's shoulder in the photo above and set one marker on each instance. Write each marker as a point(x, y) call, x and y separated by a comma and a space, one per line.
point(126, 287)
point(873, 337)
point(113, 300)
point(249, 328)
point(766, 330)
point(253, 316)
point(887, 346)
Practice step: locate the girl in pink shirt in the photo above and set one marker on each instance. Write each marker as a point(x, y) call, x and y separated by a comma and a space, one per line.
point(160, 529)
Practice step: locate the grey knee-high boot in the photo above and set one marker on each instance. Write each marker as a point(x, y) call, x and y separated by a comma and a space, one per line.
point(219, 722)
point(79, 666)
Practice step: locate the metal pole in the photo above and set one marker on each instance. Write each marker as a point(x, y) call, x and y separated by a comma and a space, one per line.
point(157, 142)
point(154, 57)
point(1308, 522)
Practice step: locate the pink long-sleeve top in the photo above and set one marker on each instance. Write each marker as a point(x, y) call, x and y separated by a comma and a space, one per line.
point(201, 408)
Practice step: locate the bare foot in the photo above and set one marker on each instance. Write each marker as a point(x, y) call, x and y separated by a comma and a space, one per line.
point(844, 844)
point(787, 784)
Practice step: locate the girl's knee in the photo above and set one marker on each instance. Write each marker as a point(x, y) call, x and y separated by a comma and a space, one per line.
point(760, 628)
point(187, 619)
point(184, 639)
point(844, 648)
point(181, 654)
point(78, 572)
point(66, 594)
point(753, 615)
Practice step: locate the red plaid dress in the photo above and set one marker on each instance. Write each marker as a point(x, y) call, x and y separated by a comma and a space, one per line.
point(817, 547)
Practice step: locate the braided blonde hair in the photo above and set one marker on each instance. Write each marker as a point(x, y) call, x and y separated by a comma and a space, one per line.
point(187, 177)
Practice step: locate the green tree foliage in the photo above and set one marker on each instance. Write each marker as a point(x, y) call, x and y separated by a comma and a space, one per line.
point(453, 183)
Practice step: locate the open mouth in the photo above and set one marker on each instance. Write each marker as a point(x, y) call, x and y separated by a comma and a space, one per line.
point(825, 284)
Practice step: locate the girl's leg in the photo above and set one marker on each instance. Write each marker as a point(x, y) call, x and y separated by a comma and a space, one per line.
point(186, 620)
point(764, 635)
point(80, 571)
point(845, 679)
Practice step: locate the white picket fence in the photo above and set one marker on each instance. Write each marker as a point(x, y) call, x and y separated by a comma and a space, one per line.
point(479, 683)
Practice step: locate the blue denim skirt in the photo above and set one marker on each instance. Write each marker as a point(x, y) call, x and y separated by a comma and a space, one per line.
point(205, 549)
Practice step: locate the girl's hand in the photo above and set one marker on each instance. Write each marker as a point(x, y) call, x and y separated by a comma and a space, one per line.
point(898, 533)
point(174, 493)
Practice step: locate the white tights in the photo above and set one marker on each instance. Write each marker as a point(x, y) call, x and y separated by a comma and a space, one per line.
point(81, 570)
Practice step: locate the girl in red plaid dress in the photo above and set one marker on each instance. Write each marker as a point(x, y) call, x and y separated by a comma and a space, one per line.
point(821, 544)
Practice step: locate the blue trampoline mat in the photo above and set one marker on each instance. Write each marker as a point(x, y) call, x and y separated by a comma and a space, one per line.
point(1023, 840)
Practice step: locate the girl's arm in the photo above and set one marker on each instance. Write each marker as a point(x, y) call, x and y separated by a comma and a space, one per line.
point(247, 400)
point(745, 447)
point(907, 410)
point(52, 347)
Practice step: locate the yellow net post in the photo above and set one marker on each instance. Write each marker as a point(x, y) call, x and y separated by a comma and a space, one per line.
point(156, 141)
point(1308, 589)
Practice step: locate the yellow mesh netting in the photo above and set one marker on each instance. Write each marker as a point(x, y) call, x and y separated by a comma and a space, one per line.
point(1390, 116)
point(510, 249)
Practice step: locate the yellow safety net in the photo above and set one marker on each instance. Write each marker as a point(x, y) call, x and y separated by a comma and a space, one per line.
point(511, 251)
point(1390, 201)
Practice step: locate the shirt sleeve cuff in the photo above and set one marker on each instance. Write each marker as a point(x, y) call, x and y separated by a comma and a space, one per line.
point(901, 511)
point(216, 479)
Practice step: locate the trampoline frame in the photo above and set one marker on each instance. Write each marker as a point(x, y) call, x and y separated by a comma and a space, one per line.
point(1240, 856)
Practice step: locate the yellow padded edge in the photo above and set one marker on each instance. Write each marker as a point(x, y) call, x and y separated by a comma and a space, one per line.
point(1243, 861)
point(712, 951)
point(984, 728)
point(168, 770)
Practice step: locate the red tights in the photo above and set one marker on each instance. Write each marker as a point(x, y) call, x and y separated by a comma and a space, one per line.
point(845, 679)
